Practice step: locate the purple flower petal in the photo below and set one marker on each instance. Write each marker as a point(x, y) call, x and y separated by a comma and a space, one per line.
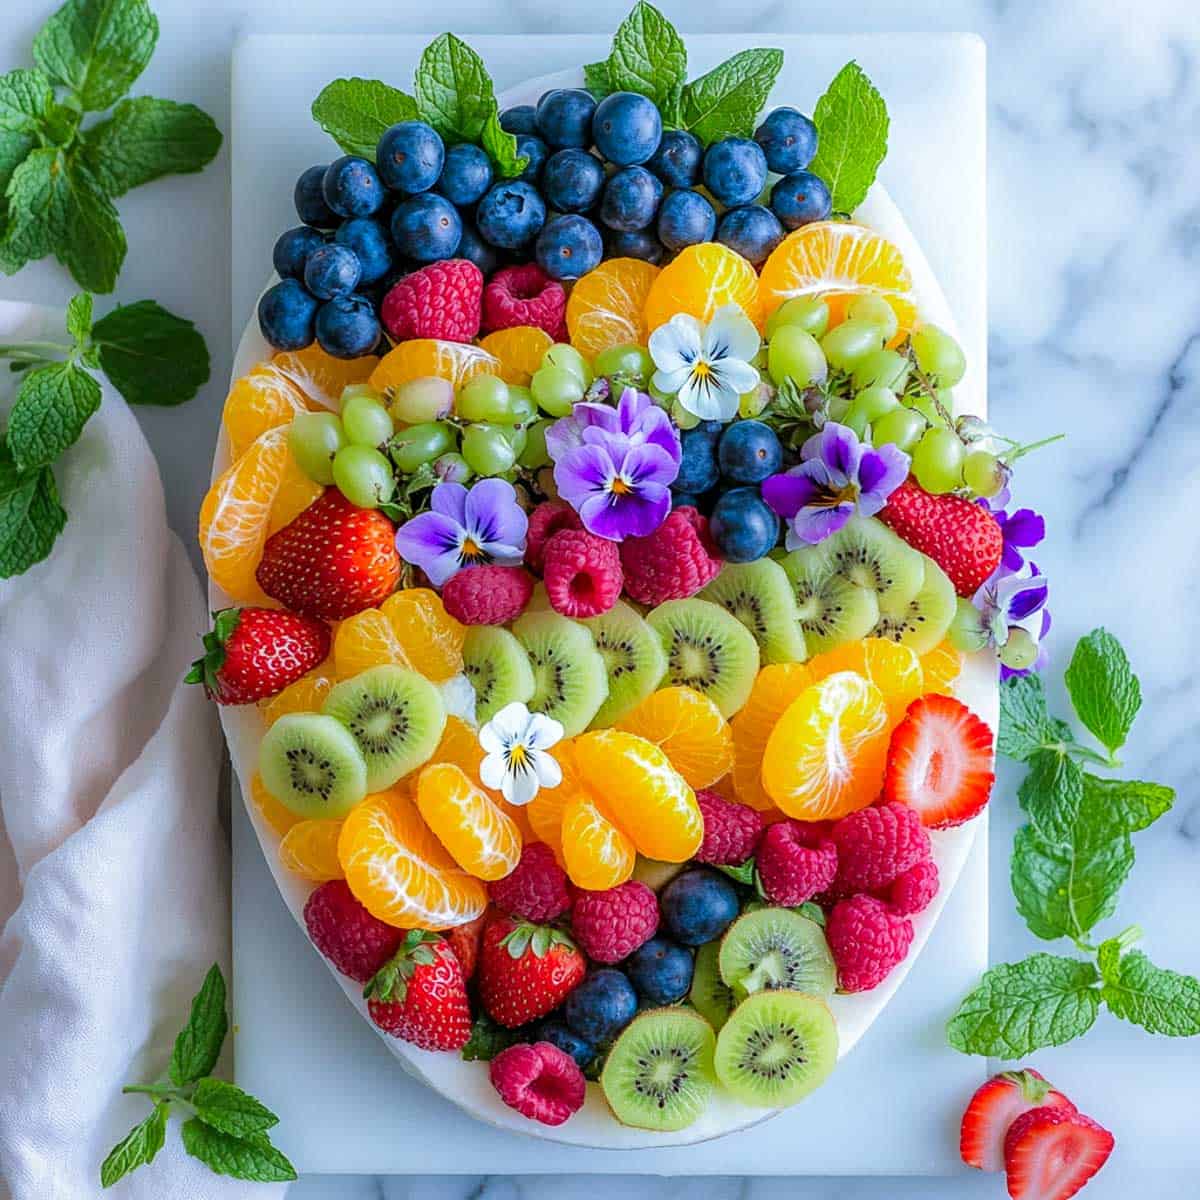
point(1025, 603)
point(582, 472)
point(635, 514)
point(1024, 528)
point(431, 541)
point(646, 464)
point(493, 514)
point(811, 526)
point(880, 472)
point(840, 452)
point(788, 493)
point(450, 499)
point(657, 429)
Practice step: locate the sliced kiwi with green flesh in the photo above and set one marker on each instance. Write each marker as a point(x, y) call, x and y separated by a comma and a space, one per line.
point(776, 948)
point(923, 622)
point(395, 715)
point(711, 997)
point(570, 682)
point(312, 764)
point(832, 609)
point(498, 668)
point(633, 657)
point(708, 650)
point(776, 1047)
point(867, 552)
point(760, 596)
point(659, 1073)
point(654, 874)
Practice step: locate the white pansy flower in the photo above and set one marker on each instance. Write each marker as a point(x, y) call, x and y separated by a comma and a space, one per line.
point(515, 742)
point(706, 366)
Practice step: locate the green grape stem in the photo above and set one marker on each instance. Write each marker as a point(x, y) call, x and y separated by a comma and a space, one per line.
point(925, 384)
point(1008, 457)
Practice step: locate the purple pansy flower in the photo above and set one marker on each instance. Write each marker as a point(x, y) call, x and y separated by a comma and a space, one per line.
point(838, 478)
point(635, 416)
point(464, 529)
point(1014, 600)
point(1022, 530)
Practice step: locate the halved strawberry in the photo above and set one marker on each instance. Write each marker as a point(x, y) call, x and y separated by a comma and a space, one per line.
point(1050, 1153)
point(993, 1109)
point(940, 762)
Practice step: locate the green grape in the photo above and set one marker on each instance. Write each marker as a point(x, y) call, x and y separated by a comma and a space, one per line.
point(761, 357)
point(314, 438)
point(682, 418)
point(563, 354)
point(755, 401)
point(484, 398)
point(937, 461)
point(359, 389)
point(882, 368)
point(535, 454)
point(868, 406)
point(522, 408)
point(809, 313)
point(556, 389)
point(517, 437)
point(451, 467)
point(901, 427)
point(875, 310)
point(426, 399)
point(487, 449)
point(939, 355)
point(847, 344)
point(662, 399)
point(1020, 652)
point(924, 404)
point(966, 632)
point(418, 444)
point(628, 362)
point(363, 476)
point(984, 473)
point(366, 421)
point(837, 407)
point(796, 355)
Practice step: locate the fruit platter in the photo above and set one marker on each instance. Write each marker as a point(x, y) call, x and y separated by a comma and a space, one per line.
point(611, 568)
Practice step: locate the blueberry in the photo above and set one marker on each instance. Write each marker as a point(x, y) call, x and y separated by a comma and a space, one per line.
point(427, 227)
point(310, 199)
point(748, 452)
point(286, 314)
point(533, 148)
point(564, 117)
point(368, 238)
point(634, 243)
point(631, 198)
point(685, 218)
point(351, 187)
point(292, 249)
point(743, 525)
point(684, 500)
point(571, 180)
point(511, 214)
point(347, 326)
point(521, 118)
point(601, 1006)
point(677, 160)
point(569, 246)
point(473, 248)
point(466, 175)
point(753, 230)
point(788, 139)
point(660, 970)
point(332, 270)
point(409, 156)
point(698, 464)
point(735, 170)
point(557, 1034)
point(698, 906)
point(627, 128)
point(800, 199)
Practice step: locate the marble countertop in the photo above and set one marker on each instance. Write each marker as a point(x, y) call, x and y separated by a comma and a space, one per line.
point(1095, 329)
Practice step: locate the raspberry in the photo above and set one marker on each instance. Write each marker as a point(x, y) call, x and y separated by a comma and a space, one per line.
point(524, 295)
point(544, 522)
point(539, 1080)
point(357, 943)
point(611, 925)
point(866, 940)
point(536, 890)
point(792, 864)
point(912, 891)
point(442, 300)
point(464, 941)
point(731, 831)
point(673, 562)
point(487, 595)
point(582, 573)
point(875, 845)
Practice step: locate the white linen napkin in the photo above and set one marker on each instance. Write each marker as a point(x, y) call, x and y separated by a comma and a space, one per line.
point(114, 876)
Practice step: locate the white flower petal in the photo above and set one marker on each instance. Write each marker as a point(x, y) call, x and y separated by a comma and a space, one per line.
point(735, 374)
point(542, 732)
point(703, 399)
point(511, 722)
point(731, 332)
point(490, 739)
point(669, 382)
point(676, 343)
point(547, 768)
point(520, 787)
point(492, 771)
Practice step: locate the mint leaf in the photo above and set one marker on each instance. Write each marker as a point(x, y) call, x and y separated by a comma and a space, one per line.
point(502, 147)
point(150, 355)
point(31, 517)
point(852, 130)
point(199, 1042)
point(97, 48)
point(137, 1148)
point(1041, 1001)
point(53, 404)
point(597, 79)
point(1159, 1000)
point(1052, 794)
point(226, 1107)
point(727, 100)
point(454, 90)
point(91, 242)
point(1104, 690)
point(25, 100)
point(36, 208)
point(1025, 724)
point(79, 317)
point(648, 57)
point(356, 113)
point(252, 1158)
point(1112, 808)
point(743, 874)
point(14, 150)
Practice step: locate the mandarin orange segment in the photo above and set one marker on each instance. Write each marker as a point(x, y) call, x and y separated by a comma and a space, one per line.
point(826, 755)
point(597, 855)
point(606, 305)
point(701, 279)
point(400, 872)
point(480, 837)
point(276, 814)
point(545, 815)
point(455, 361)
point(689, 728)
point(519, 350)
point(320, 377)
point(307, 694)
point(260, 400)
point(892, 667)
point(774, 689)
point(410, 629)
point(942, 667)
point(310, 849)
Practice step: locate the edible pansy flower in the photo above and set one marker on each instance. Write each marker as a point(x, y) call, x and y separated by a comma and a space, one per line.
point(635, 417)
point(839, 477)
point(1014, 600)
point(1022, 530)
point(516, 760)
point(464, 529)
point(706, 367)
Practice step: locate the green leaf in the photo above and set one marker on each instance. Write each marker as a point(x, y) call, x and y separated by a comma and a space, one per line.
point(31, 517)
point(1111, 808)
point(198, 1045)
point(487, 1040)
point(252, 1158)
point(137, 1148)
point(743, 874)
point(1052, 794)
point(852, 131)
point(53, 404)
point(1159, 1000)
point(97, 48)
point(226, 1107)
point(1104, 690)
point(14, 150)
point(79, 317)
point(726, 101)
point(356, 113)
point(36, 207)
point(597, 79)
point(502, 147)
point(648, 57)
point(25, 100)
point(1025, 724)
point(454, 90)
point(150, 355)
point(1041, 1001)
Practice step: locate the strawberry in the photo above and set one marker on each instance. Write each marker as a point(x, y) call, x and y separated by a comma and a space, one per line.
point(525, 971)
point(940, 762)
point(993, 1109)
point(420, 995)
point(332, 561)
point(253, 653)
point(962, 538)
point(464, 941)
point(1050, 1153)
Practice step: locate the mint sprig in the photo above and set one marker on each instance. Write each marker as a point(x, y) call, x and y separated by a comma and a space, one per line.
point(852, 131)
point(727, 100)
point(357, 112)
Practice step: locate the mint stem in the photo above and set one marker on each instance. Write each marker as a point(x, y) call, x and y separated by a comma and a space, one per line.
point(1087, 754)
point(1129, 937)
point(34, 351)
point(159, 1091)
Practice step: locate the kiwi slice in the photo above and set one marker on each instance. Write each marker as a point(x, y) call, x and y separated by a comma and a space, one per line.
point(395, 715)
point(313, 765)
point(867, 552)
point(776, 948)
point(760, 596)
point(776, 1047)
point(633, 657)
point(832, 609)
point(659, 1073)
point(923, 621)
point(498, 668)
point(708, 650)
point(570, 682)
point(711, 996)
